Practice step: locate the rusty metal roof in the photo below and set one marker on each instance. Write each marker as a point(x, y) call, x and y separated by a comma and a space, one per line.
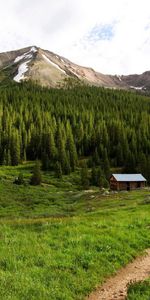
point(129, 177)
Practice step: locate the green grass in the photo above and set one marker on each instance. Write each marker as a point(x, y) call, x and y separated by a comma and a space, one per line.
point(58, 242)
point(139, 291)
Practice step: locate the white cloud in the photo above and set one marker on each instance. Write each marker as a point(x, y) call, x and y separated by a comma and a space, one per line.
point(67, 27)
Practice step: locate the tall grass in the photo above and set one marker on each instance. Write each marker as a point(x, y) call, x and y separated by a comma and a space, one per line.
point(67, 258)
point(139, 291)
point(58, 243)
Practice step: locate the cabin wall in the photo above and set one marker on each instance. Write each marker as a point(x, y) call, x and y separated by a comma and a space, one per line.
point(134, 185)
point(122, 185)
point(118, 186)
point(114, 184)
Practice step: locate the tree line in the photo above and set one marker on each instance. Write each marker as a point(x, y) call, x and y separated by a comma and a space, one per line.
point(109, 128)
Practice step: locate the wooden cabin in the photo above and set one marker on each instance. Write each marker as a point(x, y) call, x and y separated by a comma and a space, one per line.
point(127, 182)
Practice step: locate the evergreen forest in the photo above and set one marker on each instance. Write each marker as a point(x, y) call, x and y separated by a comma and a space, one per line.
point(62, 127)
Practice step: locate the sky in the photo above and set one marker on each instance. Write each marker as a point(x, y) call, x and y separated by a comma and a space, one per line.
point(111, 36)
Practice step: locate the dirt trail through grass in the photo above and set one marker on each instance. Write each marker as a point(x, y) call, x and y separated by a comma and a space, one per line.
point(115, 288)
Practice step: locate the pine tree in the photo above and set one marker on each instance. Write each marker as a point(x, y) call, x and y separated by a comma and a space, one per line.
point(51, 148)
point(64, 159)
point(67, 167)
point(147, 175)
point(58, 170)
point(119, 156)
point(36, 178)
point(106, 165)
point(45, 162)
point(94, 176)
point(70, 145)
point(4, 119)
point(96, 158)
point(130, 165)
point(15, 150)
point(85, 177)
point(103, 182)
point(20, 178)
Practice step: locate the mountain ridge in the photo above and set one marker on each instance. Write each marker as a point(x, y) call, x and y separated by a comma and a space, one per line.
point(49, 69)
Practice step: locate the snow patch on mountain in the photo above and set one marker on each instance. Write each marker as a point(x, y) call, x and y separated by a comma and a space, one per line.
point(26, 55)
point(23, 68)
point(74, 73)
point(119, 77)
point(137, 88)
point(52, 63)
point(33, 49)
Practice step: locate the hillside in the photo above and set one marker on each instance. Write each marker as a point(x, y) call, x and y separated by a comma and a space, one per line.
point(49, 69)
point(64, 237)
point(107, 128)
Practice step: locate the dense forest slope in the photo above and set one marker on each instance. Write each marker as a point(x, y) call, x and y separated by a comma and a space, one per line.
point(110, 128)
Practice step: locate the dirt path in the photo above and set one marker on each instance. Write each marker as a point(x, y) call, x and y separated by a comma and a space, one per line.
point(115, 288)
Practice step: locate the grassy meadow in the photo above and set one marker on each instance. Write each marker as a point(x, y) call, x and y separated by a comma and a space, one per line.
point(59, 242)
point(139, 291)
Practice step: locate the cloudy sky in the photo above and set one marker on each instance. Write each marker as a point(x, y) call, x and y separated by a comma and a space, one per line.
point(112, 36)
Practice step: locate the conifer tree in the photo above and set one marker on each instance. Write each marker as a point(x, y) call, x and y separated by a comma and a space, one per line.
point(20, 178)
point(96, 158)
point(67, 167)
point(51, 148)
point(15, 150)
point(62, 154)
point(72, 150)
point(103, 182)
point(45, 162)
point(84, 177)
point(58, 170)
point(36, 178)
point(106, 165)
point(94, 176)
point(130, 165)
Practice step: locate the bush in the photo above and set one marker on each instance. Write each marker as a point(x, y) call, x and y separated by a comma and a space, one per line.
point(19, 180)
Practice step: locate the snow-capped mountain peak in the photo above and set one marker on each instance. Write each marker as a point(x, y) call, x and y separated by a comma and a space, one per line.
point(50, 69)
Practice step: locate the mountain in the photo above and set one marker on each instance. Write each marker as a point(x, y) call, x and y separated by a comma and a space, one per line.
point(50, 69)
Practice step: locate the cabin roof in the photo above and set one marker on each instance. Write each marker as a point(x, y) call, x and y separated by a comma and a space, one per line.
point(129, 177)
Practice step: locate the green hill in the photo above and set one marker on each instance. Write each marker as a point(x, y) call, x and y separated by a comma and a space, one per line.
point(109, 128)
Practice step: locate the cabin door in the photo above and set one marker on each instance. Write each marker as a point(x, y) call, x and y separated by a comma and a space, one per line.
point(128, 186)
point(138, 185)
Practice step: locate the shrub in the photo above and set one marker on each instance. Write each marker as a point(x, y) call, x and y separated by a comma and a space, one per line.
point(19, 180)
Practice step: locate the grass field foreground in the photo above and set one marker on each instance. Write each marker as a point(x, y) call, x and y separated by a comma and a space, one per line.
point(58, 243)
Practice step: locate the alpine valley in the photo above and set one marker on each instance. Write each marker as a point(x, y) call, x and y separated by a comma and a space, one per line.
point(63, 230)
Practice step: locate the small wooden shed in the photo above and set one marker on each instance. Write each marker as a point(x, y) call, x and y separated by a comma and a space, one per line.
point(127, 181)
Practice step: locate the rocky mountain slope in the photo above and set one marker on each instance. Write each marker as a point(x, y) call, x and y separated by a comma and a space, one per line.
point(50, 69)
